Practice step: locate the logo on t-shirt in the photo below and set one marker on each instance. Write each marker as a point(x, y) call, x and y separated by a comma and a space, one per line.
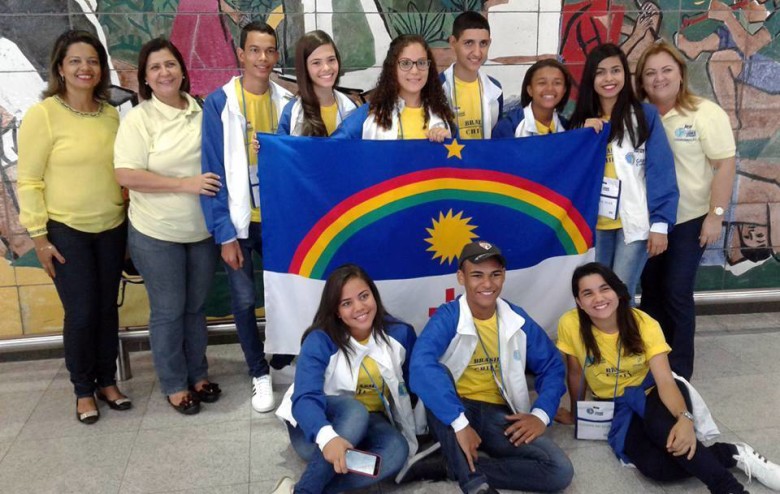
point(685, 133)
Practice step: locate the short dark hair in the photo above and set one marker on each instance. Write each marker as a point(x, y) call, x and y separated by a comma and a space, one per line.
point(469, 20)
point(153, 46)
point(56, 85)
point(260, 27)
point(525, 98)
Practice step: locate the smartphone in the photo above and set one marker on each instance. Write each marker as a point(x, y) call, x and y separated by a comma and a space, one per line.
point(363, 463)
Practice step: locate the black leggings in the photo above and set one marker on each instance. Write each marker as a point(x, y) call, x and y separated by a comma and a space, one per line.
point(646, 447)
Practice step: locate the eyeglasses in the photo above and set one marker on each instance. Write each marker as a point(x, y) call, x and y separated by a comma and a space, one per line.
point(406, 64)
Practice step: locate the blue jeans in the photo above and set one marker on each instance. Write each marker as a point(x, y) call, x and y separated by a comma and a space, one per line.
point(667, 292)
point(540, 466)
point(243, 300)
point(177, 277)
point(365, 431)
point(88, 285)
point(626, 260)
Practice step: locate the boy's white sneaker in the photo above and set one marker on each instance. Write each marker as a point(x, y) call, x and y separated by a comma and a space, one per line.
point(262, 394)
point(284, 486)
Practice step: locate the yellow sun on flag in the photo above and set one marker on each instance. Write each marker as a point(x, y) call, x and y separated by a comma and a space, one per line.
point(449, 235)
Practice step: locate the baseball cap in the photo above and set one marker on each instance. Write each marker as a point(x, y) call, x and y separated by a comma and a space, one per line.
point(480, 251)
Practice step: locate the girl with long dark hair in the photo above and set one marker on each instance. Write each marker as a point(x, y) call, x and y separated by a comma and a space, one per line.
point(639, 193)
point(622, 352)
point(350, 388)
point(408, 101)
point(319, 108)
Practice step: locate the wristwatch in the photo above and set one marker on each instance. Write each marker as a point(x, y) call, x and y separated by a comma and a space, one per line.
point(718, 211)
point(688, 415)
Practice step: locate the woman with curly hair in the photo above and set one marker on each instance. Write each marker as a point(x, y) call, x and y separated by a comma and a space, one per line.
point(408, 101)
point(319, 108)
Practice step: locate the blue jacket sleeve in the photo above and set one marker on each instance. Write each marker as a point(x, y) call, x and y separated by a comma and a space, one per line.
point(352, 126)
point(284, 120)
point(662, 192)
point(507, 125)
point(429, 379)
point(215, 209)
point(544, 361)
point(308, 400)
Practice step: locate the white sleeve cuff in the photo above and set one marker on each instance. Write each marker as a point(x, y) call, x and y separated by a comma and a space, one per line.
point(229, 241)
point(660, 228)
point(542, 415)
point(460, 423)
point(325, 435)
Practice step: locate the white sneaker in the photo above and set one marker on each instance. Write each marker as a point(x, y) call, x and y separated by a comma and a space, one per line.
point(284, 486)
point(755, 465)
point(262, 394)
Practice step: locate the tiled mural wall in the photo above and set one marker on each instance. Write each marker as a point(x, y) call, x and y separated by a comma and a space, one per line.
point(733, 53)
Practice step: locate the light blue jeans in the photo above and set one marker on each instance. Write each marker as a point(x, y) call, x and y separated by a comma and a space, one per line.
point(366, 431)
point(626, 260)
point(178, 278)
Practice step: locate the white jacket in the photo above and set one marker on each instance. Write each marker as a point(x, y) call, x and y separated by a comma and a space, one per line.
point(491, 94)
point(345, 107)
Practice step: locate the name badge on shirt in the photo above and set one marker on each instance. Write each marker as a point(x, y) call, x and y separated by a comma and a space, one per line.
point(610, 198)
point(254, 185)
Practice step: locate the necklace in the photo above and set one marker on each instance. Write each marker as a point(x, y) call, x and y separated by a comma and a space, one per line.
point(80, 113)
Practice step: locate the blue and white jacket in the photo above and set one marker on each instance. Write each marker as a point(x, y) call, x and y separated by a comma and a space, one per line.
point(521, 122)
point(293, 112)
point(492, 98)
point(648, 181)
point(362, 125)
point(323, 370)
point(224, 153)
point(450, 338)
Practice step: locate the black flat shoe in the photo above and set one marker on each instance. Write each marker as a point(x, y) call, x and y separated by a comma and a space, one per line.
point(188, 406)
point(89, 417)
point(209, 393)
point(122, 404)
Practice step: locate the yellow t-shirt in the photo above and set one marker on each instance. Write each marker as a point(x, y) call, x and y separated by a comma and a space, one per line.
point(476, 382)
point(412, 124)
point(366, 393)
point(163, 140)
point(329, 114)
point(468, 105)
point(696, 137)
point(604, 223)
point(542, 129)
point(261, 116)
point(601, 376)
point(66, 168)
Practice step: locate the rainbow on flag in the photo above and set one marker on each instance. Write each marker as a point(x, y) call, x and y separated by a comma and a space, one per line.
point(404, 210)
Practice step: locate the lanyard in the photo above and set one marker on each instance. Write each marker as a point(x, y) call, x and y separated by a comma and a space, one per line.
point(617, 373)
point(455, 100)
point(498, 380)
point(271, 113)
point(381, 392)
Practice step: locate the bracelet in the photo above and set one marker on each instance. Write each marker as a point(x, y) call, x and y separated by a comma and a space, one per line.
point(45, 247)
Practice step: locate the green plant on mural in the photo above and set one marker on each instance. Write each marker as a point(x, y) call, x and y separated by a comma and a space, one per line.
point(132, 22)
point(427, 20)
point(459, 6)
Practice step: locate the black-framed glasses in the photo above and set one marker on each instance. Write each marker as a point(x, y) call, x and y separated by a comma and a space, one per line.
point(406, 64)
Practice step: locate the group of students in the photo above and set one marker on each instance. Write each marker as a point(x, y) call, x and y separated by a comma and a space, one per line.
point(194, 196)
point(467, 388)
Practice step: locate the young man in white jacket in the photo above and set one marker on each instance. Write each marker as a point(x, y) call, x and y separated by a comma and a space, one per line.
point(232, 115)
point(476, 99)
point(469, 367)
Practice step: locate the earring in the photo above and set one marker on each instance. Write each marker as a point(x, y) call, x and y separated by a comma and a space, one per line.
point(62, 78)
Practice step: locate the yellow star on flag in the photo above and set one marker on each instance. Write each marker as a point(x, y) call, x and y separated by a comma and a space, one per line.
point(454, 149)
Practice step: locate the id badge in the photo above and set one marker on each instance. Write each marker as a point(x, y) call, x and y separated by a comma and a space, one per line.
point(610, 198)
point(254, 185)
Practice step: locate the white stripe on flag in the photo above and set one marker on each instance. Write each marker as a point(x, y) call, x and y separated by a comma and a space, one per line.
point(544, 291)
